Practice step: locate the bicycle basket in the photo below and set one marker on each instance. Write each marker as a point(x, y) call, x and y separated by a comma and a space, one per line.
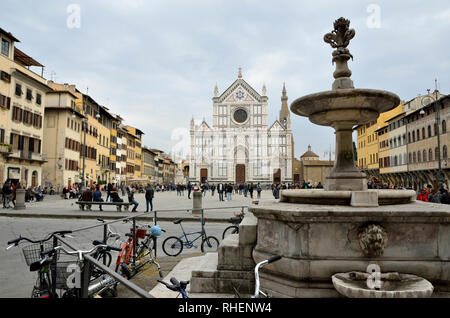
point(32, 253)
point(65, 272)
point(140, 233)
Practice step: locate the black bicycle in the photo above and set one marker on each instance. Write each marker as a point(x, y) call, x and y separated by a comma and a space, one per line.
point(69, 273)
point(32, 253)
point(233, 229)
point(173, 245)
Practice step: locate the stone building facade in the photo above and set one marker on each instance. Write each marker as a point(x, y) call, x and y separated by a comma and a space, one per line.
point(240, 147)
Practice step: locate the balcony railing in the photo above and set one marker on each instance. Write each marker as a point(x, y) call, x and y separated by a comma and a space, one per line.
point(29, 155)
point(5, 148)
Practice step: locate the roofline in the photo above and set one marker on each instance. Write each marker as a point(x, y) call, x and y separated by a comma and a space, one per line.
point(62, 91)
point(32, 78)
point(8, 35)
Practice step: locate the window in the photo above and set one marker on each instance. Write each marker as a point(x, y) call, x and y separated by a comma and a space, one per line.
point(444, 127)
point(38, 99)
point(18, 90)
point(5, 47)
point(222, 168)
point(430, 154)
point(424, 156)
point(423, 133)
point(419, 157)
point(429, 131)
point(444, 152)
point(29, 95)
point(5, 101)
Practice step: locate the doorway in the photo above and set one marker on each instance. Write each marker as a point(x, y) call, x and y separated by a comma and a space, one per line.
point(277, 176)
point(240, 174)
point(203, 175)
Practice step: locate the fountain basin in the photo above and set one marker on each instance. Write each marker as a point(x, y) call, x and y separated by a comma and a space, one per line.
point(319, 196)
point(393, 285)
point(318, 241)
point(355, 106)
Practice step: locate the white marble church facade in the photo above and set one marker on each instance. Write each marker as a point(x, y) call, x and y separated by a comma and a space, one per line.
point(239, 146)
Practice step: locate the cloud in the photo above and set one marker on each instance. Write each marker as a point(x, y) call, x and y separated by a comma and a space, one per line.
point(156, 62)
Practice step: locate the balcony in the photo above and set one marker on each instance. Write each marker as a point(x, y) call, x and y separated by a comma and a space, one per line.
point(26, 155)
point(5, 149)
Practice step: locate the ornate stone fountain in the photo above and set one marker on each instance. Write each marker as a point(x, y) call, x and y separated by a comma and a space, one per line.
point(344, 227)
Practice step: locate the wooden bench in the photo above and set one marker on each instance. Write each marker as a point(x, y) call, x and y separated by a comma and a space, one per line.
point(88, 205)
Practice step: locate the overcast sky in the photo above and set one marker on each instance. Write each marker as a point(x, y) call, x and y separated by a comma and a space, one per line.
point(156, 62)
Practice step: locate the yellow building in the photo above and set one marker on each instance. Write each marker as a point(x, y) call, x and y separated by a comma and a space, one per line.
point(134, 155)
point(22, 100)
point(368, 143)
point(105, 171)
point(62, 146)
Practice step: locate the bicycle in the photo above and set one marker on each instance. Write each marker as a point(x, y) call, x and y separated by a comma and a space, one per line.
point(144, 252)
point(177, 286)
point(68, 273)
point(43, 287)
point(173, 245)
point(234, 229)
point(102, 254)
point(258, 292)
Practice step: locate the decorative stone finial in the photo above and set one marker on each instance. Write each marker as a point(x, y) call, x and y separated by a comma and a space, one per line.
point(339, 39)
point(240, 73)
point(216, 91)
point(264, 90)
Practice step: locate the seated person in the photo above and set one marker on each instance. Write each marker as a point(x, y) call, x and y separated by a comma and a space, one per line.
point(114, 194)
point(87, 196)
point(98, 196)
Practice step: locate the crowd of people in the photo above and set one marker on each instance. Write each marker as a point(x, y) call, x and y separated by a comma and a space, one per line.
point(435, 196)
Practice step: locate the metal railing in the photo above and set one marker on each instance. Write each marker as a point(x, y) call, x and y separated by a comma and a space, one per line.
point(90, 262)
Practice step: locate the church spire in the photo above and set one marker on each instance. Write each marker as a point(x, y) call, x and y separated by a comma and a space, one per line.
point(285, 118)
point(240, 73)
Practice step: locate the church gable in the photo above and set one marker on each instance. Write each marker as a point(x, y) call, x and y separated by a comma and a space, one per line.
point(276, 126)
point(240, 91)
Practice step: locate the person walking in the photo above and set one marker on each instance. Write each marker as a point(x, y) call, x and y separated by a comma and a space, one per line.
point(189, 188)
point(229, 191)
point(6, 194)
point(108, 191)
point(258, 190)
point(131, 199)
point(250, 190)
point(149, 194)
point(220, 189)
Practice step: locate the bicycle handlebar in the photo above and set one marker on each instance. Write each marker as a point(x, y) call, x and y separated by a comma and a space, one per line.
point(80, 253)
point(16, 241)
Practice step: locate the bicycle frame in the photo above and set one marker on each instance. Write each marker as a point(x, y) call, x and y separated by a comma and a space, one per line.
point(185, 235)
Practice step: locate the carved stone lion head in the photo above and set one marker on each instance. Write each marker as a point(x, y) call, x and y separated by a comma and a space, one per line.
point(372, 240)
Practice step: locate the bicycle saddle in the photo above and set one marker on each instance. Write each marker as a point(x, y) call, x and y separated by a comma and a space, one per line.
point(178, 221)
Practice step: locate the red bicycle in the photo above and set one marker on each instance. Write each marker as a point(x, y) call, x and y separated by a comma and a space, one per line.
point(129, 264)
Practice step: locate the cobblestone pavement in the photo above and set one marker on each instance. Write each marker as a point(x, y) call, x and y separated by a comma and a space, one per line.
point(55, 213)
point(54, 206)
point(15, 277)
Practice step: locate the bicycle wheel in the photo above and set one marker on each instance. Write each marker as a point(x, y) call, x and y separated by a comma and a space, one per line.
point(96, 272)
point(232, 229)
point(210, 244)
point(172, 246)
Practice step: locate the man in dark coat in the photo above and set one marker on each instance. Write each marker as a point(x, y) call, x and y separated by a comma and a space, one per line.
point(149, 194)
